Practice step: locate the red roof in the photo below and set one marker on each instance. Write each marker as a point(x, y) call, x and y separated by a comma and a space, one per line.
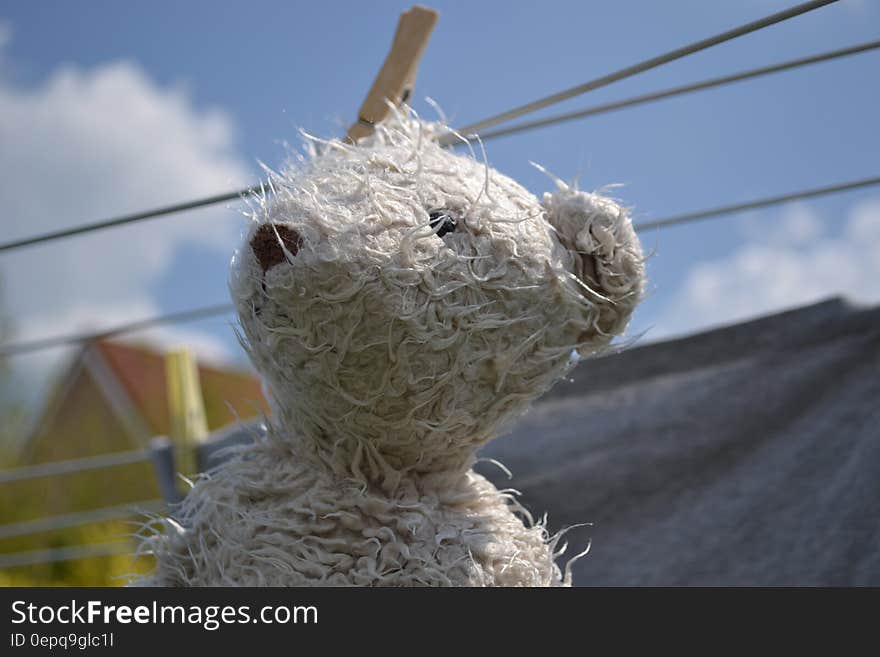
point(141, 372)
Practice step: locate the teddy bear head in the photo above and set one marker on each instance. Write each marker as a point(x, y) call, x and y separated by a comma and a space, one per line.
point(404, 301)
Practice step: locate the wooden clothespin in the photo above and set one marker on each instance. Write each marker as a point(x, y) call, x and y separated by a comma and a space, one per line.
point(397, 76)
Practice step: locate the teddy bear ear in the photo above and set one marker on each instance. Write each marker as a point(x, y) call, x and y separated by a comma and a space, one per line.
point(570, 215)
point(272, 242)
point(606, 255)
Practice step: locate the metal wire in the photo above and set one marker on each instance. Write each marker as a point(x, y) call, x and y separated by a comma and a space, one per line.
point(55, 468)
point(486, 123)
point(129, 218)
point(51, 555)
point(671, 92)
point(641, 67)
point(78, 338)
point(93, 516)
point(35, 345)
point(758, 203)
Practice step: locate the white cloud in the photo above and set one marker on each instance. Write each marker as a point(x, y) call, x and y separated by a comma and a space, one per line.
point(87, 145)
point(795, 262)
point(797, 225)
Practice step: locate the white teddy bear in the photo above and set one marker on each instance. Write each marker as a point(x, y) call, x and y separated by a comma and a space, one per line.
point(404, 304)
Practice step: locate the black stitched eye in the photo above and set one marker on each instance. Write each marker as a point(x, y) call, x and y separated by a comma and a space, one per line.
point(442, 222)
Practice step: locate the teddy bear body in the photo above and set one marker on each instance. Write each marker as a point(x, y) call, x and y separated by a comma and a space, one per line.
point(404, 304)
point(268, 519)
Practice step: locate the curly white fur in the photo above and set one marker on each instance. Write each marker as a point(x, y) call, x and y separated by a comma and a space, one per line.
point(390, 355)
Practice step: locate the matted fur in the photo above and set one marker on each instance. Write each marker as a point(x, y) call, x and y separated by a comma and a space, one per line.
point(390, 355)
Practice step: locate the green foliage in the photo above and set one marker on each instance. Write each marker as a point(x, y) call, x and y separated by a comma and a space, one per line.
point(97, 571)
point(25, 500)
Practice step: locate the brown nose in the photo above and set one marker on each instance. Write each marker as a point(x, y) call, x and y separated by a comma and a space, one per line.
point(267, 244)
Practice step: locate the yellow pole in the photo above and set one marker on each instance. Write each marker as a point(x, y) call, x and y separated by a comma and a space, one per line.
point(186, 409)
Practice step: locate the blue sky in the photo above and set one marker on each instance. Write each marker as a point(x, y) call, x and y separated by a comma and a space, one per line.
point(110, 107)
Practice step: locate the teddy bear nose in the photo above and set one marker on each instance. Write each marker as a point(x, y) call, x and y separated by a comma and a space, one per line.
point(267, 244)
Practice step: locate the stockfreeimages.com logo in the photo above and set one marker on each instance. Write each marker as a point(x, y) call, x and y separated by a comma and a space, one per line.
point(210, 617)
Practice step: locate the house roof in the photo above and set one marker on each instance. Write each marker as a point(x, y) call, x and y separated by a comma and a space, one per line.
point(746, 455)
point(229, 394)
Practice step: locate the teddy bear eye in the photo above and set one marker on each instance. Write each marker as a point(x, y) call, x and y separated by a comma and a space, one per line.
point(442, 221)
